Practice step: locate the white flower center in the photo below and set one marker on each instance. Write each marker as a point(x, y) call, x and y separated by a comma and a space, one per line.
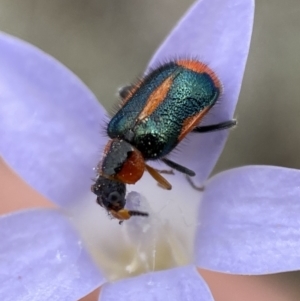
point(142, 244)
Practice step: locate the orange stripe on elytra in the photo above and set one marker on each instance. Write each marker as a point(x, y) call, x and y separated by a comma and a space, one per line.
point(191, 123)
point(156, 98)
point(200, 67)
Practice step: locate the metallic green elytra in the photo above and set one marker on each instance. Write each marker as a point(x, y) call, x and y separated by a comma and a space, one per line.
point(156, 114)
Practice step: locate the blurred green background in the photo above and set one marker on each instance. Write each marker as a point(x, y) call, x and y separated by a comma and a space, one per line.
point(108, 43)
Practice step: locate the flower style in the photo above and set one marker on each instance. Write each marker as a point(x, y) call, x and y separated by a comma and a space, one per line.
point(247, 221)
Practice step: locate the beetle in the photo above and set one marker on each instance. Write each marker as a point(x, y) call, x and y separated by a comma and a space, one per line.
point(111, 196)
point(155, 115)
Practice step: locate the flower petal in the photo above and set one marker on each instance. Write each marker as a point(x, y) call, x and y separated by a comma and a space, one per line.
point(217, 32)
point(180, 284)
point(42, 258)
point(249, 221)
point(49, 122)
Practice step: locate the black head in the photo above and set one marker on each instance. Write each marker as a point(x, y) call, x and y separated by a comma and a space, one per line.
point(110, 194)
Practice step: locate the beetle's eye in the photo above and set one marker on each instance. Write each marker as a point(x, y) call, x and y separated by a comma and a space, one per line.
point(114, 197)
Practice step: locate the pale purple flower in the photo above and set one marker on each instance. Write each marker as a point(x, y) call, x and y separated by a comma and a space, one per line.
point(50, 134)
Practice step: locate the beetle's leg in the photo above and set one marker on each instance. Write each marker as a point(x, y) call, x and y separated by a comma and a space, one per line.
point(165, 171)
point(124, 91)
point(158, 177)
point(199, 188)
point(178, 167)
point(215, 127)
